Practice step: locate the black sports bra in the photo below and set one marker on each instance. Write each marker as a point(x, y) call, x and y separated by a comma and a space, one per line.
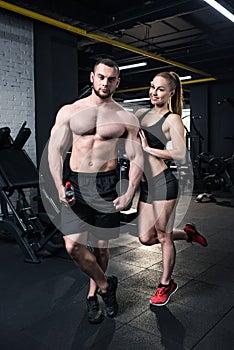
point(154, 133)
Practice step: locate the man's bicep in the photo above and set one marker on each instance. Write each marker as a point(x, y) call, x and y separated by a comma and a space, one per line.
point(60, 133)
point(133, 147)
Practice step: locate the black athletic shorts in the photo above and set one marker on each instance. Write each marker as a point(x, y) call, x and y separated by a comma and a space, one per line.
point(93, 210)
point(163, 186)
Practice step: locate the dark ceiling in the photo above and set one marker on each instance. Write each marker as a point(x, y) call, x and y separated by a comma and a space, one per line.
point(187, 36)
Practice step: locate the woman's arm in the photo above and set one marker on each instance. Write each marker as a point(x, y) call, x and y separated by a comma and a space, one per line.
point(175, 134)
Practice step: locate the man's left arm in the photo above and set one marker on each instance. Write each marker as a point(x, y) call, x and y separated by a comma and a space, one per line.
point(134, 153)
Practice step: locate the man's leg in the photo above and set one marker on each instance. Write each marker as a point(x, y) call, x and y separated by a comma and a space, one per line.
point(101, 252)
point(85, 260)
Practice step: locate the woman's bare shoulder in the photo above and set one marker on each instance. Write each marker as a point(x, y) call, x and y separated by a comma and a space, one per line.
point(173, 117)
point(141, 111)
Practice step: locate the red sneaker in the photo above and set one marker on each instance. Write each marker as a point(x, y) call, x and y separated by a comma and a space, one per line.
point(194, 235)
point(163, 294)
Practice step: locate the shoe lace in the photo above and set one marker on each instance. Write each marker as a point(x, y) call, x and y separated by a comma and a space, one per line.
point(161, 291)
point(93, 305)
point(109, 298)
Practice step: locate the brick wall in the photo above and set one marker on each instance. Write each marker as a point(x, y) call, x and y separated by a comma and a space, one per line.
point(17, 76)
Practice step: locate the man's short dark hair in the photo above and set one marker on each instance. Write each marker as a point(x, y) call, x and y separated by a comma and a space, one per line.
point(107, 62)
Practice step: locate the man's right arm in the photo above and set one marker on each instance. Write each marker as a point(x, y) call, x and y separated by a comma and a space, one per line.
point(59, 139)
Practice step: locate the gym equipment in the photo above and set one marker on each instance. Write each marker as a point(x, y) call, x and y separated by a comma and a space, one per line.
point(18, 220)
point(217, 177)
point(196, 146)
point(228, 100)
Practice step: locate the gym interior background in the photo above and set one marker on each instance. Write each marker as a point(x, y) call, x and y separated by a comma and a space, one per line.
point(49, 49)
point(43, 66)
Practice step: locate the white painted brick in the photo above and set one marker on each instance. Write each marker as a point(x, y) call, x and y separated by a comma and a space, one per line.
point(17, 103)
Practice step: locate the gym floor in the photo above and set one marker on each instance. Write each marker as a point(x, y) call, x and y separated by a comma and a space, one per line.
point(43, 305)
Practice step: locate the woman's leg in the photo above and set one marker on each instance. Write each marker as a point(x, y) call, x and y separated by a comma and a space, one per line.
point(147, 231)
point(164, 212)
point(146, 224)
point(155, 224)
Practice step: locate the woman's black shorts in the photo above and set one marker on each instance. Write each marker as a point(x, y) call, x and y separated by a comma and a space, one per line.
point(163, 186)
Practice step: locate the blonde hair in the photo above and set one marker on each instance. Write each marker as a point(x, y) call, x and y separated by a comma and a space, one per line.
point(176, 101)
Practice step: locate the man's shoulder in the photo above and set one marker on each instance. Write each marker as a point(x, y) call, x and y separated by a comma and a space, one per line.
point(127, 115)
point(115, 107)
point(130, 119)
point(74, 106)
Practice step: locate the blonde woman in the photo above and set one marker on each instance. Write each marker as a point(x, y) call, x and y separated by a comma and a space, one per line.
point(159, 188)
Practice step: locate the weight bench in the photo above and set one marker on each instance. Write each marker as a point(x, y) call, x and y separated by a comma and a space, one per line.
point(18, 173)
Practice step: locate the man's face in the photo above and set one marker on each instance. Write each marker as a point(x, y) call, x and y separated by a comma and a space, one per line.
point(105, 80)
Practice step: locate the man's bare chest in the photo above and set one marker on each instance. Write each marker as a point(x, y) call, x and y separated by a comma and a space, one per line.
point(103, 126)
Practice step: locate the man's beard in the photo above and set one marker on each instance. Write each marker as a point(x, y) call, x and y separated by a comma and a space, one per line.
point(108, 94)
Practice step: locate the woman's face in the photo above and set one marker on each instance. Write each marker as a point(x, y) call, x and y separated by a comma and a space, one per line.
point(160, 91)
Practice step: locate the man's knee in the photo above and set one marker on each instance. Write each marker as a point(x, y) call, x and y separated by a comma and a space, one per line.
point(72, 247)
point(80, 254)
